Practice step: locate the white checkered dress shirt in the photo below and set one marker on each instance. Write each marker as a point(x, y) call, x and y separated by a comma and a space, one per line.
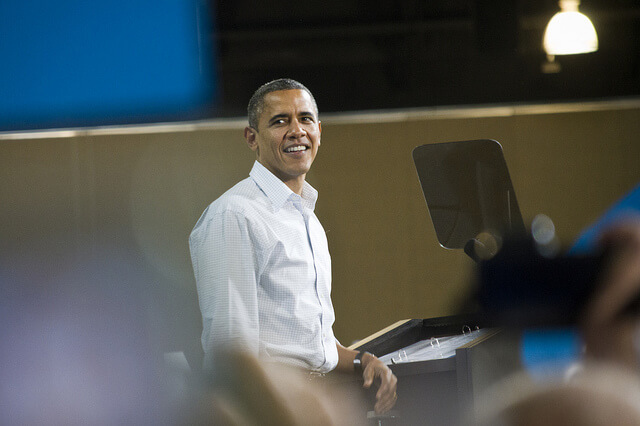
point(263, 272)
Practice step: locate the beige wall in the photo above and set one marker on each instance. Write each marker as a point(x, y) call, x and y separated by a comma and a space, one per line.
point(143, 192)
point(387, 262)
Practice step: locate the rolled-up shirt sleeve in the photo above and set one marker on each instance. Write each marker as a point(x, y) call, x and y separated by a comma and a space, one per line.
point(224, 264)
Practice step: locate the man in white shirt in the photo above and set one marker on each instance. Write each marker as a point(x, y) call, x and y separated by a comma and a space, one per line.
point(260, 255)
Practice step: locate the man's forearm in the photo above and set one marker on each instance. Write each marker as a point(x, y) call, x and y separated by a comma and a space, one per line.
point(345, 359)
point(347, 356)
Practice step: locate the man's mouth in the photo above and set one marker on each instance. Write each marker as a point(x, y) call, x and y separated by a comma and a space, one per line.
point(296, 148)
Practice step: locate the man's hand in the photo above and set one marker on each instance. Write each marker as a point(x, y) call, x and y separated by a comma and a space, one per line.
point(375, 369)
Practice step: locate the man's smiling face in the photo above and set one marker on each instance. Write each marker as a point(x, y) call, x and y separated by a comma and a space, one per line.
point(288, 135)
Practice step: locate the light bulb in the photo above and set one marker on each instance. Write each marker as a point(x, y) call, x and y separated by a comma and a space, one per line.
point(570, 32)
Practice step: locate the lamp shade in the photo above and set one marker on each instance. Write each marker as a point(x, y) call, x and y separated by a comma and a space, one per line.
point(568, 33)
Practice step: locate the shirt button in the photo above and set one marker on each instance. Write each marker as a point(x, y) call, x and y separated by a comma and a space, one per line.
point(324, 335)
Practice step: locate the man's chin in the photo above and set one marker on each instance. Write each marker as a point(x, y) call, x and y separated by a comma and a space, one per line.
point(299, 170)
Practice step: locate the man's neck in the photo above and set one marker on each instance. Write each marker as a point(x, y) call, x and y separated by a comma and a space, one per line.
point(296, 184)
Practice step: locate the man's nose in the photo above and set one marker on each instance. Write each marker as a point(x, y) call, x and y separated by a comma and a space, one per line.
point(296, 131)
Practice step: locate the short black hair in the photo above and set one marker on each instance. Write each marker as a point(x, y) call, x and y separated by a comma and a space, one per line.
point(256, 103)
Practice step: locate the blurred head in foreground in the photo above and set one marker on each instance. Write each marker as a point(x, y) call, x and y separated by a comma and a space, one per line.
point(597, 395)
point(77, 344)
point(245, 390)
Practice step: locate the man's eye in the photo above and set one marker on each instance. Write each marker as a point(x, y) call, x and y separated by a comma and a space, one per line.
point(307, 119)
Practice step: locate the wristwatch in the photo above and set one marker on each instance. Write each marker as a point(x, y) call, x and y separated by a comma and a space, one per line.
point(357, 362)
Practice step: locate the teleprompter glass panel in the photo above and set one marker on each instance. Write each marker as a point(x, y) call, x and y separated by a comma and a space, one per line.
point(468, 191)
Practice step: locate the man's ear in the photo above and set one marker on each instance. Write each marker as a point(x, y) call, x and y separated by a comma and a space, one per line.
point(319, 130)
point(250, 136)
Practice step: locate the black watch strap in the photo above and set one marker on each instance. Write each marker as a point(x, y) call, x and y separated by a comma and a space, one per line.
point(357, 363)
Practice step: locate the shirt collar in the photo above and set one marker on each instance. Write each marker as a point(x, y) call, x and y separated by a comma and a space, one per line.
point(278, 192)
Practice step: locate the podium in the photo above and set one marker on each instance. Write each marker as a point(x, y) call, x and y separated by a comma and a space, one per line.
point(443, 391)
point(472, 205)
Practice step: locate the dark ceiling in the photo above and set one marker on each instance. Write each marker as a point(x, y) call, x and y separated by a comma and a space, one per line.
point(362, 55)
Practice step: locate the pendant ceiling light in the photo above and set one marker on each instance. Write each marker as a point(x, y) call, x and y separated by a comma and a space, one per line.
point(570, 32)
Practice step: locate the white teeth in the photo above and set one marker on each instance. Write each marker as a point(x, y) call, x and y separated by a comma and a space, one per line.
point(296, 148)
